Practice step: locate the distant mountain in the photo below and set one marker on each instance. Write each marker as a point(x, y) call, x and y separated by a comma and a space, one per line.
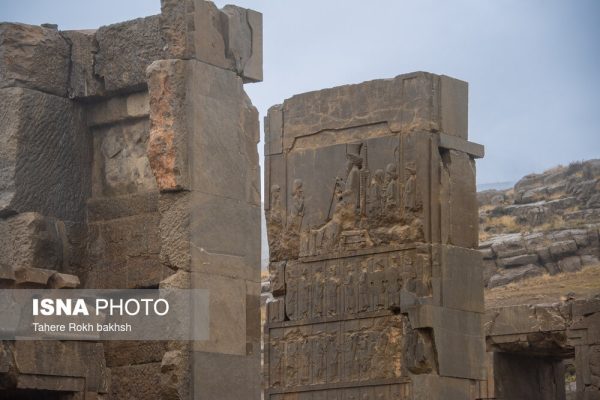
point(495, 185)
point(546, 223)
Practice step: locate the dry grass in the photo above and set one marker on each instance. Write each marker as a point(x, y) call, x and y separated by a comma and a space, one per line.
point(487, 207)
point(546, 288)
point(502, 224)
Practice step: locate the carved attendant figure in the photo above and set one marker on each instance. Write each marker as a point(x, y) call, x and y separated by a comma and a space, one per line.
point(410, 190)
point(297, 205)
point(391, 187)
point(376, 194)
point(364, 290)
point(353, 166)
point(332, 288)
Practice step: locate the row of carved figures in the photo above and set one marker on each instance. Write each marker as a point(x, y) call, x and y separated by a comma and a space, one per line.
point(347, 355)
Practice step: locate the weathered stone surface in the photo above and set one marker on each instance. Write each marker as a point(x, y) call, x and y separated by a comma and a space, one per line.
point(133, 352)
point(174, 228)
point(175, 379)
point(230, 38)
point(85, 192)
point(29, 240)
point(516, 261)
point(277, 278)
point(459, 202)
point(364, 200)
point(119, 108)
point(450, 142)
point(213, 93)
point(33, 277)
point(570, 264)
point(125, 50)
point(63, 281)
point(43, 150)
point(83, 82)
point(106, 208)
point(33, 57)
point(525, 319)
point(216, 374)
point(509, 248)
point(136, 382)
point(461, 279)
point(561, 249)
point(228, 301)
point(406, 103)
point(78, 359)
point(167, 147)
point(124, 253)
point(510, 275)
point(453, 330)
point(121, 164)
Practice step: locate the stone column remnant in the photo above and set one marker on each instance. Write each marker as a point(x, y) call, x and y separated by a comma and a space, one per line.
point(372, 223)
point(128, 160)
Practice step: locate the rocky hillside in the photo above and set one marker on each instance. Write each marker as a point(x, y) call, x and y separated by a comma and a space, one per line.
point(547, 223)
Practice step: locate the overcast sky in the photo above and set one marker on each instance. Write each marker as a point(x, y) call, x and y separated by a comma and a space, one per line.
point(532, 66)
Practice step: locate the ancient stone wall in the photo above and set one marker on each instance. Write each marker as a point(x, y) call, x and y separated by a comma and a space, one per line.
point(528, 344)
point(128, 160)
point(372, 224)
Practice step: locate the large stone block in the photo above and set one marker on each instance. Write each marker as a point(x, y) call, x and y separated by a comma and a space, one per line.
point(30, 240)
point(119, 108)
point(227, 377)
point(460, 220)
point(169, 131)
point(461, 279)
point(224, 226)
point(83, 82)
point(56, 359)
point(121, 163)
point(230, 38)
point(122, 353)
point(215, 95)
point(458, 340)
point(410, 102)
point(524, 319)
point(44, 155)
point(125, 50)
point(33, 57)
point(136, 382)
point(106, 208)
point(124, 253)
point(227, 310)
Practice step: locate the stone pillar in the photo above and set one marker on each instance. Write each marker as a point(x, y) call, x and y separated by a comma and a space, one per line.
point(128, 160)
point(45, 164)
point(584, 335)
point(372, 223)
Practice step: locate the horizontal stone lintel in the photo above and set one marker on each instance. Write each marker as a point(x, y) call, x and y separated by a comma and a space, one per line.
point(455, 143)
point(349, 385)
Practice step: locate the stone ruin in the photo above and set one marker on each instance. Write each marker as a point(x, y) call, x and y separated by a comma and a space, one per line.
point(528, 345)
point(128, 160)
point(373, 229)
